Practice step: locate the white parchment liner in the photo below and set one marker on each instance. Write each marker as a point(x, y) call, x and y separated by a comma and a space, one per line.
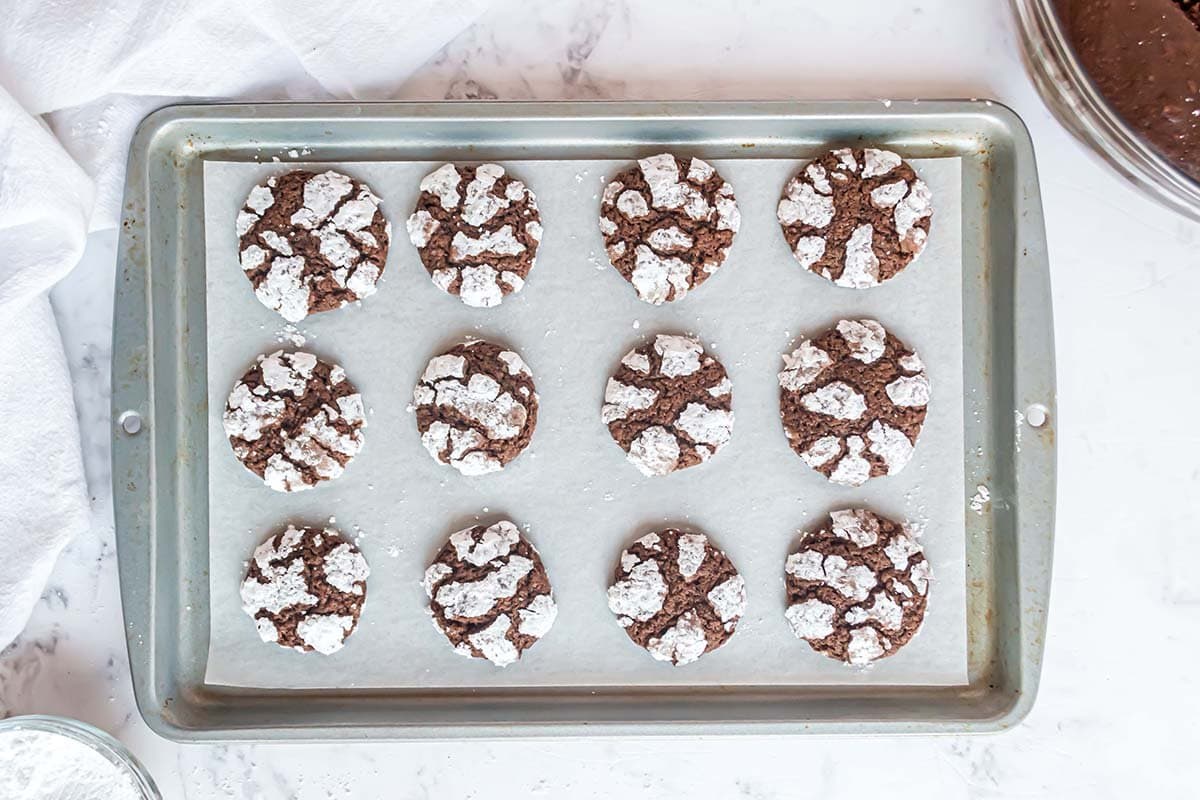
point(582, 502)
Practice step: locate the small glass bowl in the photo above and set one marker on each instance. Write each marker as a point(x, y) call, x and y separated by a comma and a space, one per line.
point(95, 739)
point(1071, 97)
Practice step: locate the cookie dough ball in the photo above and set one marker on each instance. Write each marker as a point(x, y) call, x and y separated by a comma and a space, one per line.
point(489, 593)
point(294, 420)
point(857, 587)
point(312, 242)
point(856, 217)
point(477, 231)
point(476, 407)
point(305, 589)
point(853, 401)
point(677, 595)
point(668, 223)
point(669, 405)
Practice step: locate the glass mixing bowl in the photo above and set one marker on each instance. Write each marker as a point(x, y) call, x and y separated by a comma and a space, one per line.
point(1074, 100)
point(94, 739)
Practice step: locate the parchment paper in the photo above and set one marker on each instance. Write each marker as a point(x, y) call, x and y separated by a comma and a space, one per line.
point(582, 502)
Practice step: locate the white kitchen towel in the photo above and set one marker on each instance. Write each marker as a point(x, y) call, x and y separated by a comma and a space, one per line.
point(76, 76)
point(43, 496)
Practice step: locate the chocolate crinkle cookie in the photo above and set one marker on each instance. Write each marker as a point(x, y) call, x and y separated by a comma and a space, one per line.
point(294, 420)
point(312, 242)
point(489, 593)
point(305, 589)
point(477, 231)
point(668, 223)
point(669, 405)
point(476, 407)
point(853, 401)
point(677, 595)
point(856, 217)
point(857, 587)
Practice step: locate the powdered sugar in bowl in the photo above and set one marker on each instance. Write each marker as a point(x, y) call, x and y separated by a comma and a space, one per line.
point(54, 758)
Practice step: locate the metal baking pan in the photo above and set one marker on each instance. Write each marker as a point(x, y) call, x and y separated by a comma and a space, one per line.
point(160, 373)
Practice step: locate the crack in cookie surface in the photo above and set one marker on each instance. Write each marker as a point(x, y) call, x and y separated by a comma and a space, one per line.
point(294, 420)
point(669, 405)
point(668, 223)
point(312, 242)
point(476, 407)
point(489, 593)
point(477, 230)
point(856, 216)
point(857, 588)
point(677, 595)
point(305, 589)
point(853, 401)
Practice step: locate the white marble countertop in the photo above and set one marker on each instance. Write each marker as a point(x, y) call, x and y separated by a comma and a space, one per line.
point(1117, 714)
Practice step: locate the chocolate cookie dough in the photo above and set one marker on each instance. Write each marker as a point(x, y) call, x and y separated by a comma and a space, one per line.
point(312, 242)
point(489, 593)
point(477, 230)
point(669, 405)
point(856, 217)
point(667, 225)
point(853, 401)
point(476, 407)
point(856, 588)
point(305, 589)
point(677, 596)
point(1144, 58)
point(294, 420)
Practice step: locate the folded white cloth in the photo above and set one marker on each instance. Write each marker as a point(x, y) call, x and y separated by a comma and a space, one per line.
point(76, 76)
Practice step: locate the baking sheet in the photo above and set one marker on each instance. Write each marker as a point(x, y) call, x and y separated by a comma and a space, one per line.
point(581, 500)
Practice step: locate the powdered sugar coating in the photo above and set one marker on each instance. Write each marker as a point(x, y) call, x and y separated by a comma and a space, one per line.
point(538, 617)
point(477, 231)
point(286, 585)
point(312, 242)
point(802, 366)
point(680, 355)
point(477, 598)
point(443, 182)
point(669, 406)
point(857, 587)
point(857, 525)
point(728, 599)
point(668, 224)
point(325, 633)
point(489, 593)
point(909, 390)
point(480, 548)
point(280, 434)
point(704, 425)
point(476, 407)
point(853, 401)
point(654, 451)
point(879, 162)
point(838, 400)
point(621, 399)
point(493, 642)
point(682, 643)
point(676, 595)
point(639, 594)
point(865, 338)
point(346, 569)
point(856, 218)
point(811, 619)
point(860, 269)
point(292, 575)
point(691, 553)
